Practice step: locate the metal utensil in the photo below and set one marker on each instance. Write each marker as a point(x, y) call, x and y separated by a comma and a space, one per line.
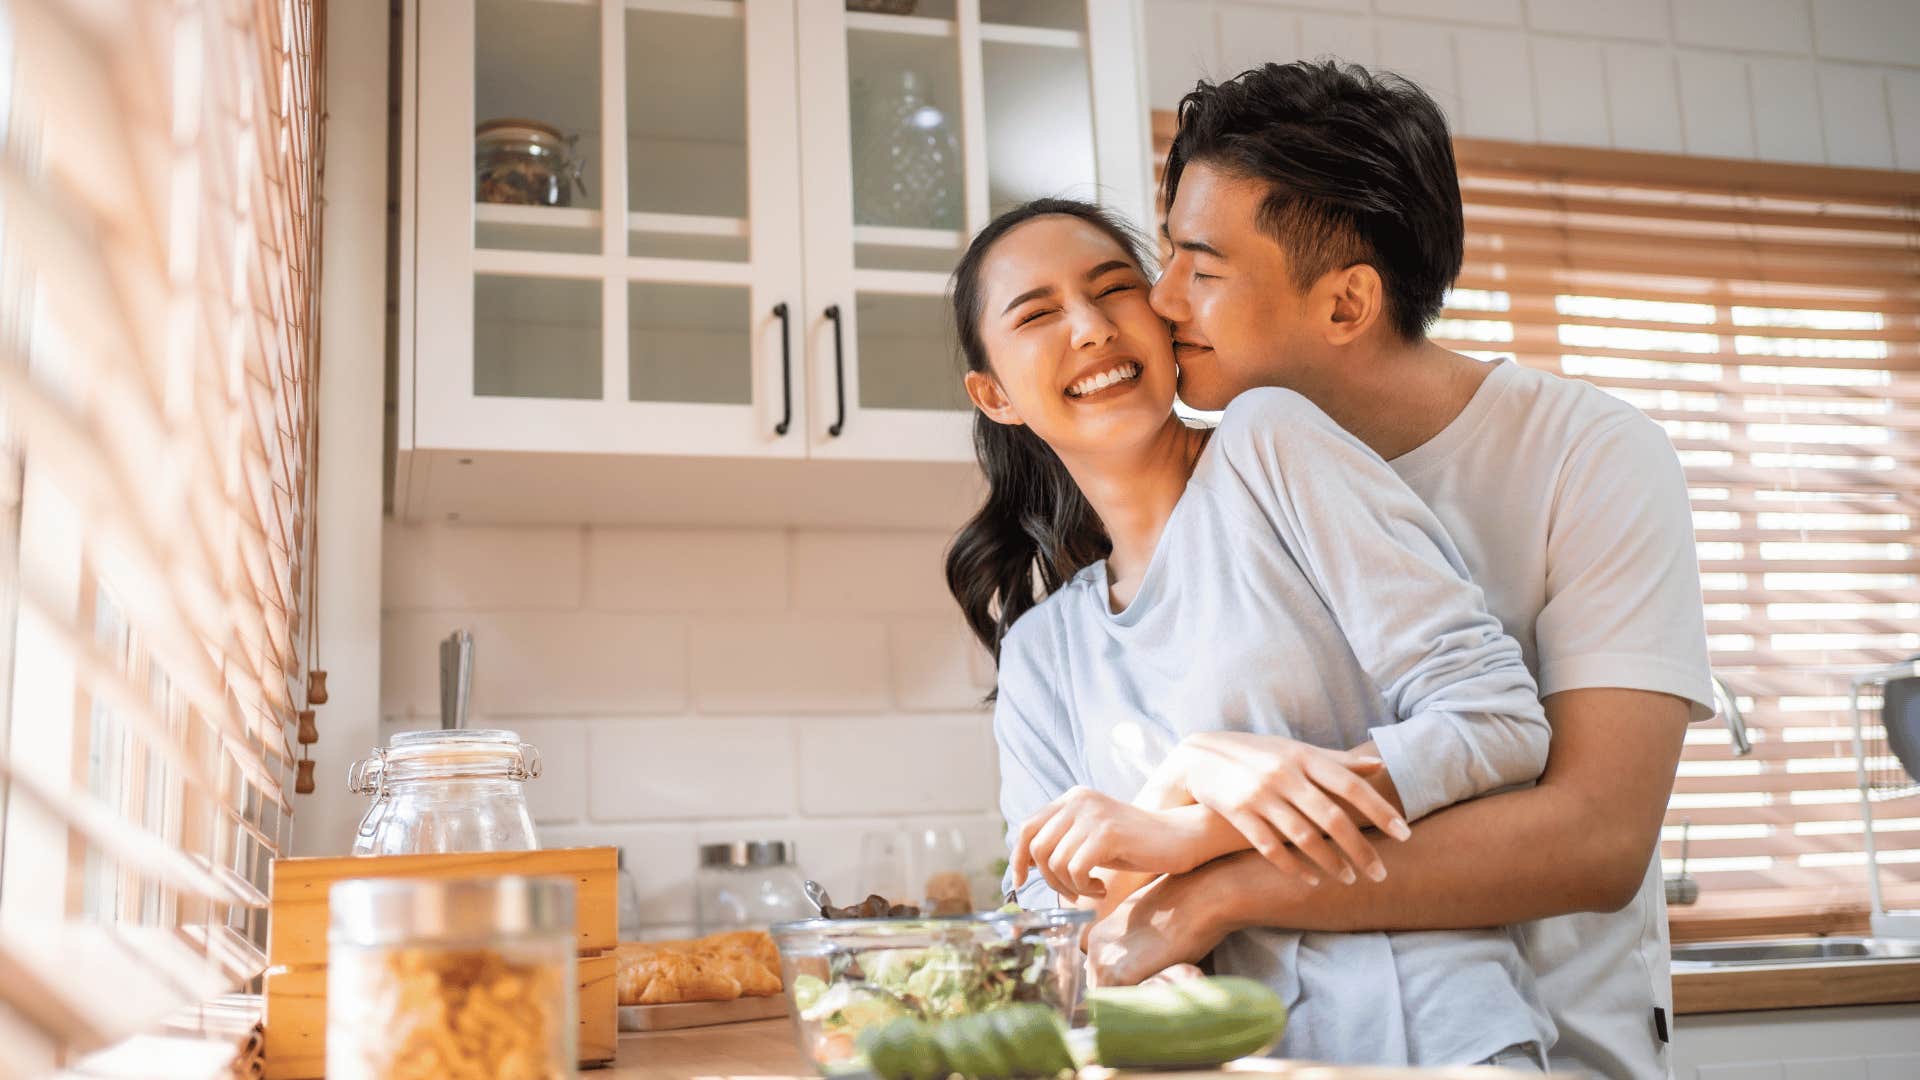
point(1683, 889)
point(456, 679)
point(816, 896)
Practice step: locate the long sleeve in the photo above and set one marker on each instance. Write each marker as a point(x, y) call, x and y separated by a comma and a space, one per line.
point(1035, 740)
point(1470, 719)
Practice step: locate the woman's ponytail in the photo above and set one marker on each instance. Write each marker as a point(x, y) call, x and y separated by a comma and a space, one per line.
point(1036, 529)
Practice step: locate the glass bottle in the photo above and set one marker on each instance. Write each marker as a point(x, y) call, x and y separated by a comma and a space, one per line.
point(748, 885)
point(467, 977)
point(906, 158)
point(446, 791)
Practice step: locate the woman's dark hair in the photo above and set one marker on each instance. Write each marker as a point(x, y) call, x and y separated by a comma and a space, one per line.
point(1035, 523)
point(1359, 169)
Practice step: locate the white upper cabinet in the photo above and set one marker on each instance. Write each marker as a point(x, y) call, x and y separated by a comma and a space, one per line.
point(770, 196)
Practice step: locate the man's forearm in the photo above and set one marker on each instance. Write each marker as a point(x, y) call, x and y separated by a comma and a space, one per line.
point(1578, 841)
point(1439, 879)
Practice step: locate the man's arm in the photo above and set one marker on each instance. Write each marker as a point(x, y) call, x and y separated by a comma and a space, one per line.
point(1579, 840)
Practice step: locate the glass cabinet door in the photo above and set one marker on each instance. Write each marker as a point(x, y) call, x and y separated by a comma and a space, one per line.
point(917, 128)
point(608, 219)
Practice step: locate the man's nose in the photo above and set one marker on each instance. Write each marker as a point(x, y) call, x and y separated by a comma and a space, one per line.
point(1169, 299)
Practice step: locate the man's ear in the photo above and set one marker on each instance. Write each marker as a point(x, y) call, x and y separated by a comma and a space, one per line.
point(989, 398)
point(1358, 300)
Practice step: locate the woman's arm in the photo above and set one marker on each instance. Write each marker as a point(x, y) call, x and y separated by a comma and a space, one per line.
point(1091, 846)
point(1034, 735)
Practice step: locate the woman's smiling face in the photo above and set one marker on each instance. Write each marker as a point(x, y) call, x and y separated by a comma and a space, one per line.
point(1076, 351)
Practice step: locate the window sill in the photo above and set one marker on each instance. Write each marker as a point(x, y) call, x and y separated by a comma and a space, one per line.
point(1780, 913)
point(219, 1040)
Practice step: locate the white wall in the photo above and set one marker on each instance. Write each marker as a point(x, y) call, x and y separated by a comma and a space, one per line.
point(352, 384)
point(1818, 81)
point(696, 685)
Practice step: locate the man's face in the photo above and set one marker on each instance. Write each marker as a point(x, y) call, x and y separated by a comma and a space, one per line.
point(1238, 320)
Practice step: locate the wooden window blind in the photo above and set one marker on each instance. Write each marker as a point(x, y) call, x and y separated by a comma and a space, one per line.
point(1768, 316)
point(159, 275)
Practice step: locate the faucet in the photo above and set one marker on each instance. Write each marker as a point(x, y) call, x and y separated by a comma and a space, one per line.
point(1683, 889)
point(1729, 710)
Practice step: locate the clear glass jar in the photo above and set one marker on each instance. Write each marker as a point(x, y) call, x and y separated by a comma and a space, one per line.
point(471, 977)
point(446, 791)
point(748, 885)
point(525, 162)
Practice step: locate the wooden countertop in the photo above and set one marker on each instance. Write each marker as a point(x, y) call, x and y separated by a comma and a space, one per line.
point(765, 1050)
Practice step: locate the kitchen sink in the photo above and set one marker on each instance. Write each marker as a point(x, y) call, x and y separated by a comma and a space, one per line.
point(1698, 956)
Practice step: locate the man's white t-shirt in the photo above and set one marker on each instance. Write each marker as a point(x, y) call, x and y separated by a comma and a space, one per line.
point(1570, 509)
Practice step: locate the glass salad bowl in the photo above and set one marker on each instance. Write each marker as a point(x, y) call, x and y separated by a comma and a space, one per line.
point(843, 976)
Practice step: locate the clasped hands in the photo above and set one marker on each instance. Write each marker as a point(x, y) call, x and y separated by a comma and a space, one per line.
point(1301, 807)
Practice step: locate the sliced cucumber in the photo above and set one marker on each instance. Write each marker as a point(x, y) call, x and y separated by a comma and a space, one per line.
point(1186, 1024)
point(1018, 1041)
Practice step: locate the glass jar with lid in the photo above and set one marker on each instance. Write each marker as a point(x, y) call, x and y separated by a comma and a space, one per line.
point(451, 977)
point(446, 791)
point(525, 162)
point(749, 884)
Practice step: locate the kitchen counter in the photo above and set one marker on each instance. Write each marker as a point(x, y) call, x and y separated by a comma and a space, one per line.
point(765, 1050)
point(1796, 986)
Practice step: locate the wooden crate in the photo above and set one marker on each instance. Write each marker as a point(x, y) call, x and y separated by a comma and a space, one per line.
point(297, 918)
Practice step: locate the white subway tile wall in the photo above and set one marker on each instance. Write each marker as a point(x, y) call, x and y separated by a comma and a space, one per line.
point(1716, 110)
point(690, 685)
point(1496, 85)
point(1811, 81)
point(1643, 98)
point(1569, 87)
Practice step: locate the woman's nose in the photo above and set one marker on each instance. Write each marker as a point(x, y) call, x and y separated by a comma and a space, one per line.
point(1092, 327)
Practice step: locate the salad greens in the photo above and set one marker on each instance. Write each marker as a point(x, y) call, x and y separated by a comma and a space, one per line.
point(948, 979)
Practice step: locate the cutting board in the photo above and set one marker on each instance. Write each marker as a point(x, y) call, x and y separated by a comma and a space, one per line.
point(701, 1013)
point(767, 1051)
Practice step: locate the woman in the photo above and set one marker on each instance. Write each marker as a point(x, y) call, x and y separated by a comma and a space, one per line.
point(1271, 577)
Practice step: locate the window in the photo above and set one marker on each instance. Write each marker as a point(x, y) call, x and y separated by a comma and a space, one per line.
point(1769, 318)
point(159, 217)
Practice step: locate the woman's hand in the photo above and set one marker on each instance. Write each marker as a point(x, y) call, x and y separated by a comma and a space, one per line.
point(1083, 831)
point(1286, 797)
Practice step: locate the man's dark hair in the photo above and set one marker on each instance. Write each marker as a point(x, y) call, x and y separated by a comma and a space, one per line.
point(1359, 167)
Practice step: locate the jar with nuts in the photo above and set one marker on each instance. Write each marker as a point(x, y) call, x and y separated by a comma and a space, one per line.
point(465, 979)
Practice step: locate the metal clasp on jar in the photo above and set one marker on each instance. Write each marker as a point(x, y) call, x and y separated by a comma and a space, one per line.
point(368, 776)
point(527, 766)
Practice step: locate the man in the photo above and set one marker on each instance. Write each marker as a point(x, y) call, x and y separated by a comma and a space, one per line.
point(1315, 226)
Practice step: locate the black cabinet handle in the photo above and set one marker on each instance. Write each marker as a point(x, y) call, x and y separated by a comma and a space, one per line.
point(839, 373)
point(786, 370)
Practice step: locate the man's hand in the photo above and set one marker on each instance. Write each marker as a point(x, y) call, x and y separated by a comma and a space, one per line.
point(1162, 926)
point(1288, 798)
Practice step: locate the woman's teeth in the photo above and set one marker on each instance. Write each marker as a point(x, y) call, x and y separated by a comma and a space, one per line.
point(1121, 372)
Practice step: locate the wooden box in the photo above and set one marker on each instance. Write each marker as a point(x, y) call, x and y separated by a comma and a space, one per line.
point(297, 917)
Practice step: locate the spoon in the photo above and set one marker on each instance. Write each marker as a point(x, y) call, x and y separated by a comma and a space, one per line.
point(816, 896)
